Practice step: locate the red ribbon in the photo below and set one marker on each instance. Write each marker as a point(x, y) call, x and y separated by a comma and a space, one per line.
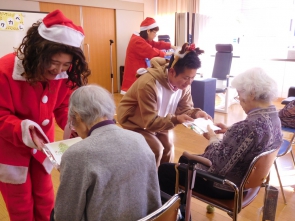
point(192, 47)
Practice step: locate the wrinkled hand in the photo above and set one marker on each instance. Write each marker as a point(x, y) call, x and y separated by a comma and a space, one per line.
point(223, 128)
point(184, 118)
point(203, 114)
point(209, 134)
point(37, 137)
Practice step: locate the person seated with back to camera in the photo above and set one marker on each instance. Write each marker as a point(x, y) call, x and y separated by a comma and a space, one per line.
point(287, 115)
point(109, 175)
point(241, 143)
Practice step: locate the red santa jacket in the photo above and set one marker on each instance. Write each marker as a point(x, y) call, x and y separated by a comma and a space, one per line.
point(22, 105)
point(138, 49)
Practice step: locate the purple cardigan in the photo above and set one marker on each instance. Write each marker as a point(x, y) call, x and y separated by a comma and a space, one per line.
point(287, 115)
point(243, 141)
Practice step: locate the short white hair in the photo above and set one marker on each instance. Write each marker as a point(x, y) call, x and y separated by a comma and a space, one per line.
point(255, 81)
point(91, 102)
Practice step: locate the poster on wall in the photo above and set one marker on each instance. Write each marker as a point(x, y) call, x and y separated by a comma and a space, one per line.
point(11, 21)
point(14, 26)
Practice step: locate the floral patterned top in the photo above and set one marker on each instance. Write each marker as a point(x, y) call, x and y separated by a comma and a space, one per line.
point(287, 115)
point(243, 141)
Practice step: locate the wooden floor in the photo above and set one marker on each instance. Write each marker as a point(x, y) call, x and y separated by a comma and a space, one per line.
point(186, 139)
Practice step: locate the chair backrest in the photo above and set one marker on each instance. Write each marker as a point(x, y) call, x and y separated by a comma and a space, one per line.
point(165, 38)
point(286, 146)
point(259, 169)
point(169, 210)
point(223, 60)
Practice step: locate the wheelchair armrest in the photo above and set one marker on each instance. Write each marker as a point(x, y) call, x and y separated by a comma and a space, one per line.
point(210, 176)
point(198, 159)
point(203, 174)
point(182, 167)
point(165, 197)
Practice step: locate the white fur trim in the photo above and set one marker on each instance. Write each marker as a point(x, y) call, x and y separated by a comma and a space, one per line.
point(143, 28)
point(18, 69)
point(13, 174)
point(61, 34)
point(26, 135)
point(62, 75)
point(48, 166)
point(136, 33)
point(141, 71)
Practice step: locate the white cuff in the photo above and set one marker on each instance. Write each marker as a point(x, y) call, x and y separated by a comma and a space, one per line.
point(26, 134)
point(213, 139)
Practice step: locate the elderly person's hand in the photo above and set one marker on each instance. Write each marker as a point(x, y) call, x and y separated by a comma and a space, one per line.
point(210, 135)
point(223, 128)
point(203, 114)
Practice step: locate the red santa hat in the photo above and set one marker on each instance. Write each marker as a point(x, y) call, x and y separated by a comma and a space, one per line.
point(58, 28)
point(148, 23)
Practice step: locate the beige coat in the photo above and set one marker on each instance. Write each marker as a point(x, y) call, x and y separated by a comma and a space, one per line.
point(139, 108)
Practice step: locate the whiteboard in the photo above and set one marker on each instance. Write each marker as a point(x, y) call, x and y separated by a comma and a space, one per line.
point(12, 38)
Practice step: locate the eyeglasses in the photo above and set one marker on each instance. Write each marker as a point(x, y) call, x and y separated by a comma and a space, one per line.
point(71, 126)
point(237, 98)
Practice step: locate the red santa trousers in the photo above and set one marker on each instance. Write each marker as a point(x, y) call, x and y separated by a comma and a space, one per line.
point(32, 200)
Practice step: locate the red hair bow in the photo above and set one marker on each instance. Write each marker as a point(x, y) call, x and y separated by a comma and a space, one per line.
point(192, 47)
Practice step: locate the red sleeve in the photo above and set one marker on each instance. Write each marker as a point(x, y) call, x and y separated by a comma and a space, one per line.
point(160, 44)
point(61, 111)
point(145, 50)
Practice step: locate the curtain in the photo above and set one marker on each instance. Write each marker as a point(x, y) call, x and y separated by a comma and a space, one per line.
point(202, 32)
point(166, 15)
point(181, 29)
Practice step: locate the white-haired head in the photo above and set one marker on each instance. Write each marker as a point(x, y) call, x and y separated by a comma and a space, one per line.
point(256, 82)
point(91, 102)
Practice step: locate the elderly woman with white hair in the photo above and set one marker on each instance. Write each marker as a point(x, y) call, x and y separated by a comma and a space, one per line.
point(242, 142)
point(109, 175)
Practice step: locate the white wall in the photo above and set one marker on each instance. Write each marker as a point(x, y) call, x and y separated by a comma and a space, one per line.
point(149, 7)
point(19, 5)
point(127, 22)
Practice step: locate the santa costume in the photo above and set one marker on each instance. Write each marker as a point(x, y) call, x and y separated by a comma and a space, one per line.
point(25, 180)
point(138, 50)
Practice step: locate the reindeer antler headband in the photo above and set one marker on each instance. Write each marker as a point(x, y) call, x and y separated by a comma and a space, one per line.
point(179, 54)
